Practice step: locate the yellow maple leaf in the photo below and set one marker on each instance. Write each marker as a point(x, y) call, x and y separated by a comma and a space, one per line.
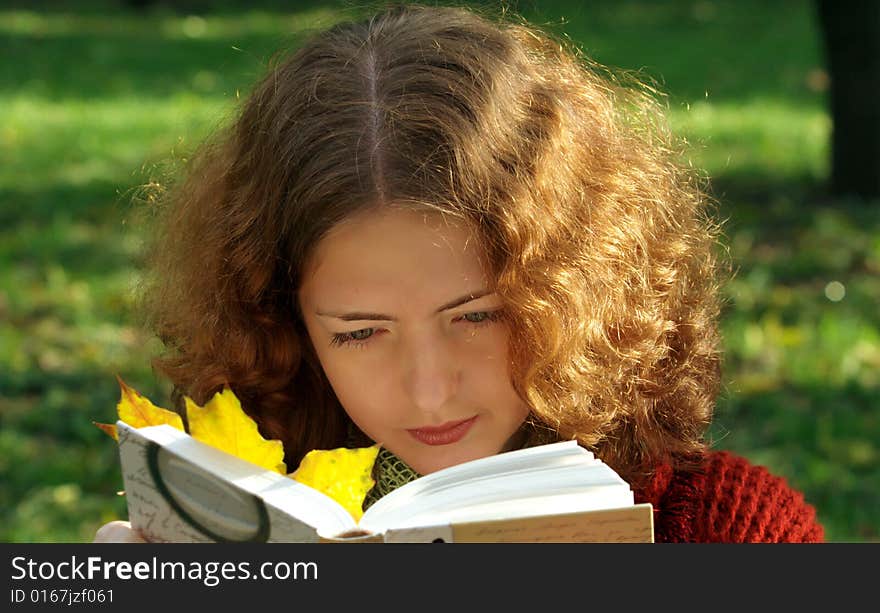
point(342, 474)
point(137, 411)
point(223, 424)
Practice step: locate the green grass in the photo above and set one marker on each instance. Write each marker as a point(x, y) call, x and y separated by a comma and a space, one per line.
point(98, 102)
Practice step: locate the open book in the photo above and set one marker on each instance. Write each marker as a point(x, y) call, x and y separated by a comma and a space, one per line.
point(182, 490)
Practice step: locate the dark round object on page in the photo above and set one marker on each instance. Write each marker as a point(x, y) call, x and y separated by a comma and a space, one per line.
point(212, 506)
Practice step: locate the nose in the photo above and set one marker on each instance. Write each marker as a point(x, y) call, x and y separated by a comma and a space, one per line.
point(432, 374)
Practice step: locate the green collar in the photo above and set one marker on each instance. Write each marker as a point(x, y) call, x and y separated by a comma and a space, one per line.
point(389, 472)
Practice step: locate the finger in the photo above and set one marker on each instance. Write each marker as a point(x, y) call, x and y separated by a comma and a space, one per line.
point(117, 532)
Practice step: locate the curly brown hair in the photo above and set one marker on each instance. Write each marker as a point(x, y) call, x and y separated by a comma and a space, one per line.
point(596, 235)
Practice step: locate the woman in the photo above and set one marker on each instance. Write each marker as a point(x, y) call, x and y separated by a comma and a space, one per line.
point(455, 236)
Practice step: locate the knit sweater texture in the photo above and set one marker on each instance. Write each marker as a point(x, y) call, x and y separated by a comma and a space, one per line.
point(728, 500)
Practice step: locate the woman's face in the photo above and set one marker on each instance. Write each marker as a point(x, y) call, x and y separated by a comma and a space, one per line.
point(410, 335)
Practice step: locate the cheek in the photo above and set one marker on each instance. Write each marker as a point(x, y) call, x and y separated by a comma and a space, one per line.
point(370, 402)
point(487, 351)
point(492, 370)
point(363, 387)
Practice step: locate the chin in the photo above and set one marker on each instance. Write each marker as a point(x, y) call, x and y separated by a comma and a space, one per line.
point(452, 457)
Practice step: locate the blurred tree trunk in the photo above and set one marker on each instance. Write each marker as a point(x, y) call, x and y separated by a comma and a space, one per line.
point(851, 33)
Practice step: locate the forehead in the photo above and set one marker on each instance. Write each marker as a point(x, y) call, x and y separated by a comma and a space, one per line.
point(395, 251)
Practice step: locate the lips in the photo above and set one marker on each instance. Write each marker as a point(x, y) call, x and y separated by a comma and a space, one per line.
point(445, 434)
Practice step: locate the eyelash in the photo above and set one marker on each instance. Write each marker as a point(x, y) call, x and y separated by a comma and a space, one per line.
point(340, 339)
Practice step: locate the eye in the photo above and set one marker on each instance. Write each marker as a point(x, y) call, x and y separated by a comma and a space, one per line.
point(344, 338)
point(482, 317)
point(478, 317)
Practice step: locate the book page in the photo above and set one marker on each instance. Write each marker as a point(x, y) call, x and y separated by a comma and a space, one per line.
point(181, 490)
point(546, 479)
point(513, 462)
point(148, 512)
point(513, 506)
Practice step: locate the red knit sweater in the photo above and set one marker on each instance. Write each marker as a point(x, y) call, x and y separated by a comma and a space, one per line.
point(729, 501)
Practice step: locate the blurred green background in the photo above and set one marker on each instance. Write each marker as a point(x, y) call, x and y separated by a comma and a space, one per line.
point(99, 100)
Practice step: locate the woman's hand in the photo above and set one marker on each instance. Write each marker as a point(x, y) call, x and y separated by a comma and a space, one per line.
point(118, 532)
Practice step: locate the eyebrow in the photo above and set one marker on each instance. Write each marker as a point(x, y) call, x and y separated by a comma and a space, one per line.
point(362, 315)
